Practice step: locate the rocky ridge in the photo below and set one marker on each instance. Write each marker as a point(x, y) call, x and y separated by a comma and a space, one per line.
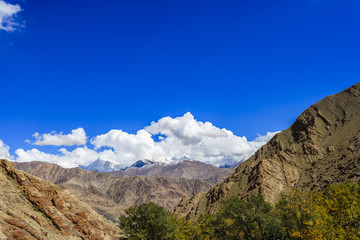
point(31, 208)
point(321, 147)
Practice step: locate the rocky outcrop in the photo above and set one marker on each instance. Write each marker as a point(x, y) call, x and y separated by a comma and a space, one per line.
point(31, 208)
point(110, 195)
point(184, 169)
point(321, 147)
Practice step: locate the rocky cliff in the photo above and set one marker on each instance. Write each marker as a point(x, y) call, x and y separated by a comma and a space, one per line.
point(31, 208)
point(110, 195)
point(321, 147)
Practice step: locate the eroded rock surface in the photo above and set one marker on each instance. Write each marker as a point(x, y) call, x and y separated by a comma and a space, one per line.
point(31, 208)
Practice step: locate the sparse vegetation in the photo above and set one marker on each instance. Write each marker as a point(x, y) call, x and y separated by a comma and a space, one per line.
point(36, 207)
point(330, 214)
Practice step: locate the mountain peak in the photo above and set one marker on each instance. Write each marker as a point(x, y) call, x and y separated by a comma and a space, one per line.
point(100, 165)
point(142, 163)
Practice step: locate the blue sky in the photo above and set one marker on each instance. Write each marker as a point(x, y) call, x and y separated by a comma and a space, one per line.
point(248, 66)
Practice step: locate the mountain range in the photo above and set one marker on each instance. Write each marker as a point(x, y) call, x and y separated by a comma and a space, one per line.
point(100, 165)
point(181, 169)
point(110, 195)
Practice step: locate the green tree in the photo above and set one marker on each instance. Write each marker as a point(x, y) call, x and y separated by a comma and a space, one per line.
point(148, 221)
point(341, 205)
point(205, 225)
point(297, 213)
point(188, 230)
point(251, 219)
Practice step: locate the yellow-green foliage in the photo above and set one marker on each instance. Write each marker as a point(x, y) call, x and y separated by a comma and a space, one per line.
point(330, 214)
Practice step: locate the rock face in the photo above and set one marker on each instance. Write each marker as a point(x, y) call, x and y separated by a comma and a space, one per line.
point(31, 208)
point(110, 195)
point(184, 169)
point(321, 147)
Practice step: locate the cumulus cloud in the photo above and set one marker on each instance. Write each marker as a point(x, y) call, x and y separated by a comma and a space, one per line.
point(167, 140)
point(4, 151)
point(7, 13)
point(76, 137)
point(262, 139)
point(181, 137)
point(65, 158)
point(130, 147)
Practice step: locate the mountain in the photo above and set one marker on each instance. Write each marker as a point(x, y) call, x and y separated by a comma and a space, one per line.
point(102, 166)
point(228, 162)
point(32, 208)
point(110, 195)
point(141, 163)
point(182, 169)
point(321, 147)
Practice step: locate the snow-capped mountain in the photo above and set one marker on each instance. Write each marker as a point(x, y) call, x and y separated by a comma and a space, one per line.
point(100, 165)
point(229, 162)
point(142, 163)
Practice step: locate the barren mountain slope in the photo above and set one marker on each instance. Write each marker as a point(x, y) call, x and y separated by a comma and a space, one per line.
point(184, 169)
point(31, 208)
point(110, 195)
point(321, 147)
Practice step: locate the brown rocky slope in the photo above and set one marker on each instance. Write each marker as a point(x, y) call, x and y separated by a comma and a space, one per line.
point(110, 195)
point(321, 147)
point(31, 208)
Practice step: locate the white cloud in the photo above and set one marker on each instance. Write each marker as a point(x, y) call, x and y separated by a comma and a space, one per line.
point(130, 147)
point(179, 137)
point(4, 151)
point(262, 139)
point(79, 156)
point(186, 129)
point(76, 137)
point(7, 13)
point(176, 138)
